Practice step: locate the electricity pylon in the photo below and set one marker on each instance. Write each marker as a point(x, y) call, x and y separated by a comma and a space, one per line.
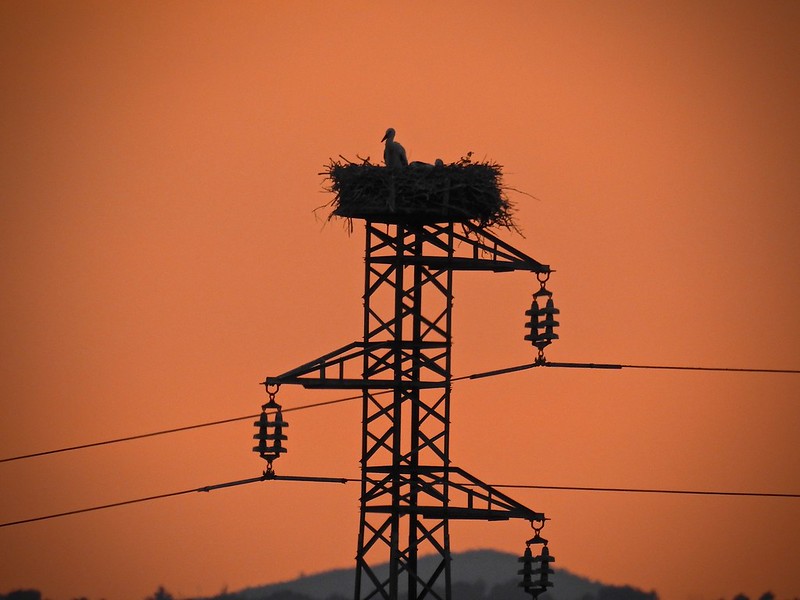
point(410, 491)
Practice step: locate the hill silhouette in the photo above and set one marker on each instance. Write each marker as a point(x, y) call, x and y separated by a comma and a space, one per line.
point(476, 575)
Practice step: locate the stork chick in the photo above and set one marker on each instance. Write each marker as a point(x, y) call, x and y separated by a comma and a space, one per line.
point(394, 155)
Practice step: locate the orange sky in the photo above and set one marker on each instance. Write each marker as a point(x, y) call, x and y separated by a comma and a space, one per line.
point(160, 256)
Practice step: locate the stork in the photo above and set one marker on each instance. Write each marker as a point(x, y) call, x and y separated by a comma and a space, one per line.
point(394, 155)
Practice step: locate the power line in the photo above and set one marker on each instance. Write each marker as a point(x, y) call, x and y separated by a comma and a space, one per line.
point(343, 480)
point(206, 488)
point(504, 371)
point(613, 366)
point(173, 430)
point(668, 367)
point(126, 439)
point(93, 508)
point(649, 491)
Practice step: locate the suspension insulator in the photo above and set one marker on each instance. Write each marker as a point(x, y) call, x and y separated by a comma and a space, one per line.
point(543, 571)
point(548, 323)
point(527, 569)
point(541, 321)
point(532, 323)
point(261, 436)
point(270, 434)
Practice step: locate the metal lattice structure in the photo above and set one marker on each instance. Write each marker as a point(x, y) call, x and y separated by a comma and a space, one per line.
point(410, 491)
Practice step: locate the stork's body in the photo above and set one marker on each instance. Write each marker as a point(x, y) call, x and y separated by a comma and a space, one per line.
point(394, 155)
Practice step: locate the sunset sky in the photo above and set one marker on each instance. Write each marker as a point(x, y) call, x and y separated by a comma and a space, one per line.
point(161, 254)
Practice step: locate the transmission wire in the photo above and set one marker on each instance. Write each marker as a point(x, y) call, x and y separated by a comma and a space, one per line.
point(209, 488)
point(173, 430)
point(523, 367)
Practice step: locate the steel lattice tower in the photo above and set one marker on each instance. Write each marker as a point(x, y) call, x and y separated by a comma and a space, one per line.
point(410, 491)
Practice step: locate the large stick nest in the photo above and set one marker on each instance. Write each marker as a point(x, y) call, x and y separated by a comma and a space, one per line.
point(458, 192)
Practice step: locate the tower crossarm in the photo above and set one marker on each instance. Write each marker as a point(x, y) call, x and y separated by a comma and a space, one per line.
point(473, 248)
point(468, 497)
point(478, 500)
point(343, 368)
point(479, 250)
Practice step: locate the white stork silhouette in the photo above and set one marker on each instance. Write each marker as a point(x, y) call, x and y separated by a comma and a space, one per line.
point(394, 155)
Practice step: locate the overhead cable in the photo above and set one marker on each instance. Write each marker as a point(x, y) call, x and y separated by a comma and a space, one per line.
point(342, 480)
point(613, 366)
point(173, 430)
point(493, 373)
point(648, 491)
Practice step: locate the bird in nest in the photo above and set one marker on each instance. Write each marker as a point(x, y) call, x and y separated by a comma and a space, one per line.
point(394, 155)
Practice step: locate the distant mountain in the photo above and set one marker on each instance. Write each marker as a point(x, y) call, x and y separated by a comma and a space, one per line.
point(479, 574)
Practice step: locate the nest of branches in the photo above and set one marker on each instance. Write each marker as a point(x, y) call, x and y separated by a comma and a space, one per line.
point(458, 192)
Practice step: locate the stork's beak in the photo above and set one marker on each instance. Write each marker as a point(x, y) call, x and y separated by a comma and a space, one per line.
point(385, 135)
